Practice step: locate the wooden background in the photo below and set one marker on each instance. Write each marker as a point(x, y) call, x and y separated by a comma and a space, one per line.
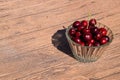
point(33, 45)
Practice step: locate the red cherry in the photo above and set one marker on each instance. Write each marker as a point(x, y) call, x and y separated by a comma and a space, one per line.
point(92, 22)
point(94, 30)
point(103, 31)
point(89, 44)
point(77, 34)
point(84, 23)
point(90, 27)
point(97, 36)
point(87, 36)
point(77, 40)
point(76, 24)
point(103, 40)
point(107, 38)
point(72, 37)
point(96, 44)
point(92, 41)
point(82, 43)
point(80, 27)
point(72, 31)
point(86, 31)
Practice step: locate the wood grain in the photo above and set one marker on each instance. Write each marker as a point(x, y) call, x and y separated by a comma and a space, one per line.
point(29, 27)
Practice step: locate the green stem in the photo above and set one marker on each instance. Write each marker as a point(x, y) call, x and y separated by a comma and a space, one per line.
point(89, 16)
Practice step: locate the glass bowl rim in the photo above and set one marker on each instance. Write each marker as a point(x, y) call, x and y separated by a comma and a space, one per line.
point(70, 26)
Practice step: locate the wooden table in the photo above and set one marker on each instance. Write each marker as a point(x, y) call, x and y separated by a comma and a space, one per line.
point(33, 45)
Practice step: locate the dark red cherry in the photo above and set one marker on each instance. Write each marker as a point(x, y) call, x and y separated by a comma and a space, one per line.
point(80, 27)
point(96, 44)
point(72, 37)
point(77, 40)
point(76, 24)
point(103, 40)
point(86, 31)
point(90, 27)
point(87, 36)
point(89, 44)
point(107, 38)
point(72, 31)
point(92, 22)
point(94, 30)
point(84, 23)
point(92, 41)
point(103, 31)
point(77, 34)
point(82, 43)
point(97, 36)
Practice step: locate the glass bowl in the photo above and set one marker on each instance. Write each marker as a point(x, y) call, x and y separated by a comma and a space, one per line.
point(86, 53)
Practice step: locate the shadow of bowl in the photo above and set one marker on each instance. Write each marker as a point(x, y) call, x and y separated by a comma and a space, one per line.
point(59, 40)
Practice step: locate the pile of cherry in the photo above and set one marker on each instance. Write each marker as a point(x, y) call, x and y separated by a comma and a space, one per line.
point(88, 34)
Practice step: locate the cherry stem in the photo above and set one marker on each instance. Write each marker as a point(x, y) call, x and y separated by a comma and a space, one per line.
point(89, 17)
point(64, 27)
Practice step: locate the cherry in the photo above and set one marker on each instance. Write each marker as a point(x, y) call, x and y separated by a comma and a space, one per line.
point(103, 31)
point(92, 22)
point(72, 37)
point(96, 44)
point(72, 31)
point(107, 38)
point(90, 27)
point(92, 41)
point(77, 40)
point(76, 24)
point(89, 44)
point(94, 30)
point(86, 31)
point(80, 27)
point(103, 40)
point(87, 36)
point(77, 34)
point(97, 36)
point(82, 43)
point(84, 23)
